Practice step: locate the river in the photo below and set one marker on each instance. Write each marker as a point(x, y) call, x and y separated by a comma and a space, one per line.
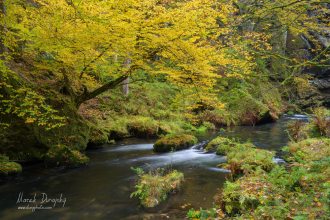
point(102, 189)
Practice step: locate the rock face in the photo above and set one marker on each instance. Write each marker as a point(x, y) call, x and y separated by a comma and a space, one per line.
point(301, 48)
point(24, 142)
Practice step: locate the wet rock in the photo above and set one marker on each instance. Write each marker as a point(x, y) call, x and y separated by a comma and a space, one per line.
point(174, 142)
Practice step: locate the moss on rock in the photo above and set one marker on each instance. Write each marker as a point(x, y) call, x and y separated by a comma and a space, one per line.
point(8, 167)
point(309, 150)
point(245, 158)
point(220, 145)
point(97, 137)
point(174, 142)
point(61, 155)
point(143, 127)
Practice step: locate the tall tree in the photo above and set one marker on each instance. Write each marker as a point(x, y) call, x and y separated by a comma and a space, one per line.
point(75, 40)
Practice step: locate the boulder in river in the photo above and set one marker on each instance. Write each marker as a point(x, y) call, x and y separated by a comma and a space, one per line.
point(174, 142)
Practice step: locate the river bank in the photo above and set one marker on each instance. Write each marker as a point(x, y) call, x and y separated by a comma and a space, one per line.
point(103, 187)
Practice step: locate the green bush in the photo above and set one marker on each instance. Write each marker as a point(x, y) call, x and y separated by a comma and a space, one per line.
point(174, 142)
point(154, 187)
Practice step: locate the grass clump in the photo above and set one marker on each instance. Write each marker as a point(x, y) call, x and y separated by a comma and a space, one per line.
point(246, 159)
point(8, 167)
point(154, 187)
point(174, 142)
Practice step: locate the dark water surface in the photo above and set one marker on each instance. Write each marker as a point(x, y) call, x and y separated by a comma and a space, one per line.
point(102, 189)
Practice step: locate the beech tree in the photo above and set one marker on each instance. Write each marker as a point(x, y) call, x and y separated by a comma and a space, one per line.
point(76, 41)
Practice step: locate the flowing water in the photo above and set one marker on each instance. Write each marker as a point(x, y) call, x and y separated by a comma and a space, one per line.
point(102, 189)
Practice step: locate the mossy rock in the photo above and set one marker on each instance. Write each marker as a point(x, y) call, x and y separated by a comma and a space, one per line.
point(8, 167)
point(220, 145)
point(97, 137)
point(245, 158)
point(75, 133)
point(143, 127)
point(312, 149)
point(61, 155)
point(174, 142)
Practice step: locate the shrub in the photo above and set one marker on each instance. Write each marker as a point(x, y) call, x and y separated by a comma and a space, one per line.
point(297, 130)
point(322, 121)
point(154, 187)
point(174, 142)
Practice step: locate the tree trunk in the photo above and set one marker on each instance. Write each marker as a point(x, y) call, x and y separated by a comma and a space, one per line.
point(127, 65)
point(125, 86)
point(89, 95)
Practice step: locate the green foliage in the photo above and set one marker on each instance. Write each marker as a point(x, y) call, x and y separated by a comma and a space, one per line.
point(245, 158)
point(8, 167)
point(145, 112)
point(221, 145)
point(174, 142)
point(297, 130)
point(249, 102)
point(299, 191)
point(16, 99)
point(97, 136)
point(321, 121)
point(242, 158)
point(143, 127)
point(153, 187)
point(202, 214)
point(312, 149)
point(60, 155)
point(319, 126)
